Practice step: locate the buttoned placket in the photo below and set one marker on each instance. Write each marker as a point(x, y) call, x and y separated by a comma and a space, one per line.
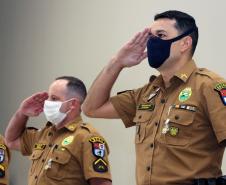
point(163, 107)
point(51, 135)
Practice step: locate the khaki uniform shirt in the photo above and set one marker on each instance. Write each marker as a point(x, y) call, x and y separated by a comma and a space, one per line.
point(180, 129)
point(69, 156)
point(4, 162)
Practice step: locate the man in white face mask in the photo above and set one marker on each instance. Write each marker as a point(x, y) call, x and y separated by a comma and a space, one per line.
point(67, 150)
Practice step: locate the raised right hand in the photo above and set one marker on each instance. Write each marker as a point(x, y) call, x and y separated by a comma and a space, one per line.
point(133, 52)
point(33, 105)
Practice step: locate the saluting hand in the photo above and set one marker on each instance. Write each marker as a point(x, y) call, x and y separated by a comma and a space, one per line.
point(134, 51)
point(33, 105)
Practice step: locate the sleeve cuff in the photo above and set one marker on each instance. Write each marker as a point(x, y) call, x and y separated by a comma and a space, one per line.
point(127, 122)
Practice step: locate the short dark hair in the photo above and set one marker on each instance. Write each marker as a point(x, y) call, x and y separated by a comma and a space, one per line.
point(75, 85)
point(184, 22)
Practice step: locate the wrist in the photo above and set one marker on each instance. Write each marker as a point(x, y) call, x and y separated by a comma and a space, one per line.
point(21, 115)
point(116, 64)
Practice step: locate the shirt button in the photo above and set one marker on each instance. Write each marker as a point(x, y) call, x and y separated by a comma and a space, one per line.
point(177, 117)
point(43, 160)
point(140, 117)
point(156, 123)
point(36, 177)
point(163, 101)
point(148, 168)
point(151, 145)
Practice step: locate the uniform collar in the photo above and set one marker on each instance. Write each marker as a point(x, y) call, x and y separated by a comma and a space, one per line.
point(183, 74)
point(73, 125)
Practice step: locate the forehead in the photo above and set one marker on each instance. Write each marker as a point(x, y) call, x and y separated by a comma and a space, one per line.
point(166, 25)
point(58, 88)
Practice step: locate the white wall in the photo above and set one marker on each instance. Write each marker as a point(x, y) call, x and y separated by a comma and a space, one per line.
point(40, 40)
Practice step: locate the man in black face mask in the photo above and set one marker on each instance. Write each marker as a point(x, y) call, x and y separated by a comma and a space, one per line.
point(179, 115)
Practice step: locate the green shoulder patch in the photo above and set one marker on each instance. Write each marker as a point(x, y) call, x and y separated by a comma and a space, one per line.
point(220, 86)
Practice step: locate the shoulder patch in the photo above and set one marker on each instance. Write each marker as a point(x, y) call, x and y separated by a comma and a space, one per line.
point(98, 146)
point(2, 171)
point(100, 166)
point(96, 139)
point(221, 89)
point(2, 152)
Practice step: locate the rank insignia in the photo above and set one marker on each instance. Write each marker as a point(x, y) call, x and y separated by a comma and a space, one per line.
point(68, 140)
point(185, 94)
point(98, 146)
point(173, 131)
point(184, 76)
point(2, 155)
point(149, 107)
point(221, 88)
point(100, 166)
point(2, 171)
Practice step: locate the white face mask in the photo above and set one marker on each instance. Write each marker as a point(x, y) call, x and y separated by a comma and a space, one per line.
point(52, 111)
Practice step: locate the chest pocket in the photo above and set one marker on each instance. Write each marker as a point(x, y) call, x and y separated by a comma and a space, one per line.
point(35, 158)
point(141, 119)
point(180, 127)
point(59, 165)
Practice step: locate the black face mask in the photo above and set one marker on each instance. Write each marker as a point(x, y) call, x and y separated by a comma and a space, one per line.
point(158, 50)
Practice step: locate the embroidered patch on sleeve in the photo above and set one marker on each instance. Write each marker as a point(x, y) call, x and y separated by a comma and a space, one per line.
point(98, 146)
point(2, 171)
point(221, 89)
point(2, 153)
point(100, 166)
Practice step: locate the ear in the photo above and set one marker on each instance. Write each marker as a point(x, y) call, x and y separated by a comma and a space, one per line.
point(186, 44)
point(74, 104)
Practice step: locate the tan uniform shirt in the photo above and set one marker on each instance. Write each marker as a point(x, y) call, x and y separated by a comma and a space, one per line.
point(69, 156)
point(179, 129)
point(4, 162)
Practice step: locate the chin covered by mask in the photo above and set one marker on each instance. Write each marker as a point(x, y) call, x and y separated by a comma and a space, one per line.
point(52, 111)
point(158, 50)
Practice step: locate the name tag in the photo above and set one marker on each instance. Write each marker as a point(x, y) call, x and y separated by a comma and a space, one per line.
point(39, 146)
point(149, 107)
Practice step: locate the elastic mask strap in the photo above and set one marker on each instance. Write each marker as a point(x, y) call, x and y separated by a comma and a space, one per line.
point(183, 35)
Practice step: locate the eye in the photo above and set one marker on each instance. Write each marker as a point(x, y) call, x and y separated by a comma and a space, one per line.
point(161, 35)
point(53, 98)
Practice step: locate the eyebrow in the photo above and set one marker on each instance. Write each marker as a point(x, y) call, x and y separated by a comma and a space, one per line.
point(159, 31)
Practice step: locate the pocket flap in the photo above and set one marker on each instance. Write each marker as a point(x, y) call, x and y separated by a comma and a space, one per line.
point(142, 116)
point(61, 156)
point(182, 117)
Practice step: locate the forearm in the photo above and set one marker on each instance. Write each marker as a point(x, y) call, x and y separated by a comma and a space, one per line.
point(100, 90)
point(15, 128)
